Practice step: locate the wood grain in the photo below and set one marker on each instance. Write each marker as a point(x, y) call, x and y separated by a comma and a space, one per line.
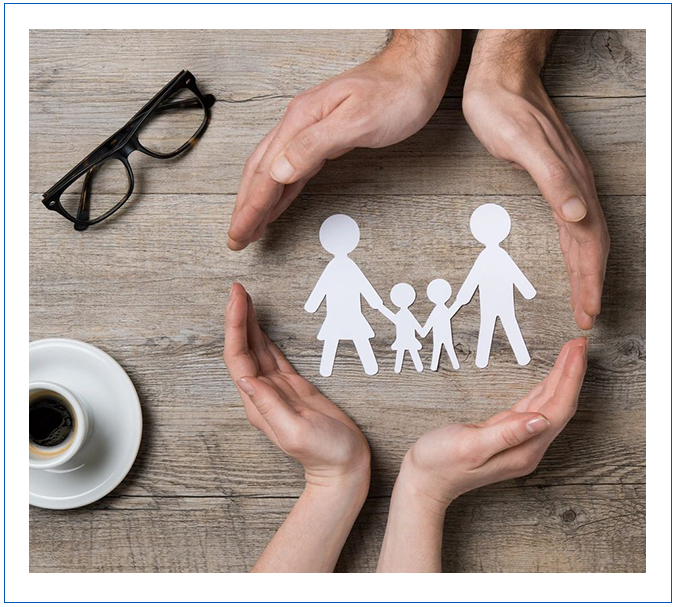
point(150, 287)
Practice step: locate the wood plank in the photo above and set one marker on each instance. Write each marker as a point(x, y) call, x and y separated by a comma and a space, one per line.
point(241, 64)
point(167, 330)
point(150, 287)
point(496, 529)
point(442, 158)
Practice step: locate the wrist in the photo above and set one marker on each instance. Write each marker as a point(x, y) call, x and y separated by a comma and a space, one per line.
point(428, 56)
point(351, 485)
point(416, 490)
point(508, 58)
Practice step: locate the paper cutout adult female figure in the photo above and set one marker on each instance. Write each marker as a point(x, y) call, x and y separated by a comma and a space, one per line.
point(494, 274)
point(403, 296)
point(438, 292)
point(342, 284)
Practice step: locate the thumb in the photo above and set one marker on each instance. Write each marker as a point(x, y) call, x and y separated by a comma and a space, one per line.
point(327, 138)
point(510, 431)
point(275, 410)
point(556, 183)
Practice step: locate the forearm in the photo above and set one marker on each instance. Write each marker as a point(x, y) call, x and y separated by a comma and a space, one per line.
point(414, 534)
point(509, 55)
point(312, 536)
point(432, 53)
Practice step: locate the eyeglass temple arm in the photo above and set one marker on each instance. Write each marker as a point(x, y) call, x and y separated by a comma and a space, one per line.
point(209, 100)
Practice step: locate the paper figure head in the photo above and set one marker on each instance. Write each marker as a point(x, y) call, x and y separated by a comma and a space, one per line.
point(402, 295)
point(490, 224)
point(339, 234)
point(439, 291)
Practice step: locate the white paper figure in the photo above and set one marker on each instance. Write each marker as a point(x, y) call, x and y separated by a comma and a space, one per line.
point(403, 296)
point(439, 292)
point(494, 274)
point(342, 284)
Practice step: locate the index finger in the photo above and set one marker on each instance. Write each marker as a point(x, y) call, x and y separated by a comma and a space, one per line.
point(237, 353)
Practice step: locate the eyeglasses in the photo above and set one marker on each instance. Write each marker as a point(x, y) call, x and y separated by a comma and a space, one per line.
point(170, 123)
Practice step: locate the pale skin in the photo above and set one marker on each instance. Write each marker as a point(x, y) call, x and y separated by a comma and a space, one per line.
point(442, 465)
point(451, 460)
point(304, 424)
point(392, 96)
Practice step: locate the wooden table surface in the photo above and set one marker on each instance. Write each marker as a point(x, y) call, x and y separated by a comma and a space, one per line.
point(149, 287)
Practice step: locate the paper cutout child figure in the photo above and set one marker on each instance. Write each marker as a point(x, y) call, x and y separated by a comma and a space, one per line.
point(342, 284)
point(403, 296)
point(494, 274)
point(439, 292)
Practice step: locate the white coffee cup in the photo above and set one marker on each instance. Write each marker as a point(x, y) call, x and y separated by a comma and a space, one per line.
point(43, 457)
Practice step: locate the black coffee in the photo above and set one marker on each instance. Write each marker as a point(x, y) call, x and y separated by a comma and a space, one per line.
point(50, 421)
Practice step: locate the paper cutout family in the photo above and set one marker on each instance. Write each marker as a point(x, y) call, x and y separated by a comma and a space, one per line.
point(342, 284)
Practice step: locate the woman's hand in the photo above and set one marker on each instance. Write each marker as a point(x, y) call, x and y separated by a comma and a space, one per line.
point(377, 104)
point(509, 111)
point(456, 458)
point(308, 427)
point(293, 414)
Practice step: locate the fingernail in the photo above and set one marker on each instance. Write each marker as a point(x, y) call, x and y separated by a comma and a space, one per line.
point(537, 425)
point(574, 209)
point(246, 386)
point(282, 170)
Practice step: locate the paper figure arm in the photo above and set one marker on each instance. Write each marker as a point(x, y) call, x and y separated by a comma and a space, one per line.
point(427, 326)
point(520, 281)
point(369, 292)
point(419, 329)
point(467, 290)
point(387, 312)
point(314, 301)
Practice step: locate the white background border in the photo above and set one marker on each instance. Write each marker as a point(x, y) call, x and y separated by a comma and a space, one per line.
point(651, 586)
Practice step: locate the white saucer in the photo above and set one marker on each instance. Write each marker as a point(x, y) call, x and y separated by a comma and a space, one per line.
point(112, 445)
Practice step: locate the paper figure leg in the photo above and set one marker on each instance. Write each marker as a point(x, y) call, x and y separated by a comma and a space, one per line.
point(399, 361)
point(415, 355)
point(328, 356)
point(487, 329)
point(450, 349)
point(516, 340)
point(366, 355)
point(435, 357)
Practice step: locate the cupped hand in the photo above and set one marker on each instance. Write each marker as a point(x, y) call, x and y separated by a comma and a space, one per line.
point(293, 414)
point(456, 458)
point(515, 120)
point(377, 104)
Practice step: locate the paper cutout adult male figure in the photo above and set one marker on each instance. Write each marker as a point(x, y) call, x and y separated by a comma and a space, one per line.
point(438, 292)
point(494, 274)
point(403, 296)
point(342, 284)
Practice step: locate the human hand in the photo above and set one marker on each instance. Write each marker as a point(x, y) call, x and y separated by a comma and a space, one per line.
point(511, 114)
point(293, 414)
point(456, 458)
point(377, 104)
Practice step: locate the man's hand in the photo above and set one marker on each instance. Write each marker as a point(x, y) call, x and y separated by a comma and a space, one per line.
point(293, 414)
point(456, 458)
point(509, 111)
point(377, 104)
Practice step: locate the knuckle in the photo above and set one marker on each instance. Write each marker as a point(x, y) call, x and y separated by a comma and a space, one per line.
point(556, 171)
point(510, 437)
point(306, 144)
